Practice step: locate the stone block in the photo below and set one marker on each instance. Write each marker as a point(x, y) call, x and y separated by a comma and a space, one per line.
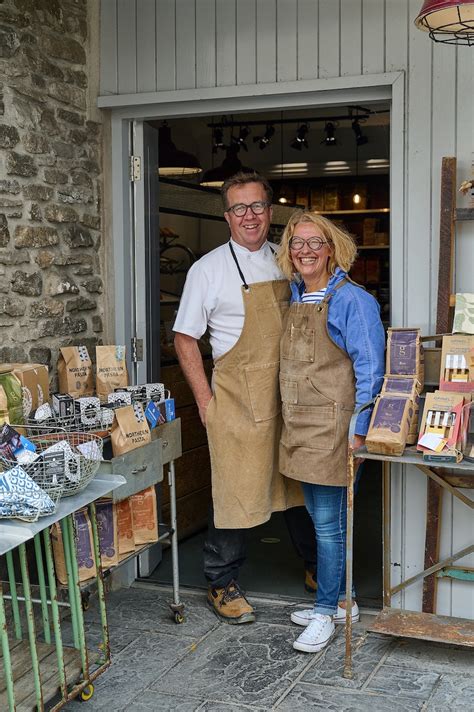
point(40, 354)
point(15, 257)
point(9, 186)
point(52, 175)
point(81, 178)
point(12, 354)
point(60, 284)
point(28, 236)
point(9, 202)
point(14, 18)
point(97, 326)
point(63, 47)
point(69, 259)
point(39, 63)
point(48, 122)
point(93, 128)
point(75, 195)
point(90, 166)
point(61, 149)
point(79, 136)
point(47, 308)
point(82, 271)
point(11, 307)
point(45, 258)
point(93, 285)
point(35, 143)
point(20, 165)
point(71, 117)
point(31, 285)
point(80, 304)
point(67, 94)
point(61, 214)
point(9, 42)
point(37, 192)
point(24, 112)
point(35, 213)
point(62, 327)
point(4, 231)
point(77, 236)
point(9, 136)
point(92, 221)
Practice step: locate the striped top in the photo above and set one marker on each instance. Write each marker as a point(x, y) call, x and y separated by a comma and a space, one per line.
point(313, 297)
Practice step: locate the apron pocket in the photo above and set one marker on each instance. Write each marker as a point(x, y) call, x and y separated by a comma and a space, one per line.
point(298, 344)
point(262, 386)
point(313, 395)
point(288, 390)
point(269, 321)
point(309, 426)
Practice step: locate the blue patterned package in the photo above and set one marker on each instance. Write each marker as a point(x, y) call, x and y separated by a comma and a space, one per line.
point(21, 497)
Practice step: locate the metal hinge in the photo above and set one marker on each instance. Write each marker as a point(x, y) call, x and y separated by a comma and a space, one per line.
point(135, 168)
point(136, 350)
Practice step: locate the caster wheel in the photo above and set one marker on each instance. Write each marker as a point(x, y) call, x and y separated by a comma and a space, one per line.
point(87, 692)
point(178, 618)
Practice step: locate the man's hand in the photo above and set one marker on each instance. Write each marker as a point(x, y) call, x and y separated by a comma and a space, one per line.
point(202, 407)
point(191, 363)
point(357, 442)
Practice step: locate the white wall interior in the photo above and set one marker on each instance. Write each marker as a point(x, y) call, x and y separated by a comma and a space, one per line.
point(161, 57)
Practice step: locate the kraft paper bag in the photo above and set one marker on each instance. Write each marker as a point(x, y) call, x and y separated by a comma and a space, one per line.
point(75, 371)
point(130, 429)
point(126, 543)
point(84, 548)
point(111, 370)
point(108, 534)
point(389, 425)
point(144, 517)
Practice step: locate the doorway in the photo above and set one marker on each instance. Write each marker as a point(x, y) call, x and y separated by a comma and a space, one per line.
point(345, 174)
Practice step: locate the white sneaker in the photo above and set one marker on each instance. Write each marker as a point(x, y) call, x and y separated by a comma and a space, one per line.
point(305, 616)
point(316, 635)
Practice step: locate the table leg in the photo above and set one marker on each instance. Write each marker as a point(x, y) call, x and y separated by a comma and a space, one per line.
point(349, 559)
point(386, 514)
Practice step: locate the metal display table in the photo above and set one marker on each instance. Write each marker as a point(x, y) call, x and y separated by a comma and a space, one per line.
point(37, 668)
point(398, 622)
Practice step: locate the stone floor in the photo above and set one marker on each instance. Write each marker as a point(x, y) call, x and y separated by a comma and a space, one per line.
point(209, 666)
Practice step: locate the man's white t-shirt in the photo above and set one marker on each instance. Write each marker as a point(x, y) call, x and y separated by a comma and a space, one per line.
point(212, 296)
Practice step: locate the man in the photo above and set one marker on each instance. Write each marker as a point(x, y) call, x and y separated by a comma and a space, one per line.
point(238, 294)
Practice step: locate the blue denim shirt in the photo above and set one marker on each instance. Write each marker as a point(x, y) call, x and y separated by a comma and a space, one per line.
point(354, 325)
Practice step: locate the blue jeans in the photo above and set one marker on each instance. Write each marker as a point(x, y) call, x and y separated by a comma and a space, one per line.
point(327, 507)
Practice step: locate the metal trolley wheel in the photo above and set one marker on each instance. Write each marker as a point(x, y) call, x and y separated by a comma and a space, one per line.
point(87, 693)
point(178, 612)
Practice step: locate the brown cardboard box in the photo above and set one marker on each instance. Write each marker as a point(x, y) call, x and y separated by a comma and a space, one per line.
point(389, 425)
point(457, 363)
point(381, 238)
point(446, 415)
point(34, 377)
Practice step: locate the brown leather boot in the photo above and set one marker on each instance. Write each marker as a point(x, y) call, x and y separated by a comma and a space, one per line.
point(229, 604)
point(310, 581)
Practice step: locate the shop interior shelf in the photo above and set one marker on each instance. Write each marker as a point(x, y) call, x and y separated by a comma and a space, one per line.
point(368, 211)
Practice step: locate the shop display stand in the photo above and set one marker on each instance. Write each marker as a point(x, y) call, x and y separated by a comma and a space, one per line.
point(39, 672)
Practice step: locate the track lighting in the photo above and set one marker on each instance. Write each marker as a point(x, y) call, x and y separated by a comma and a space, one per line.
point(359, 136)
point(300, 138)
point(239, 140)
point(329, 130)
point(264, 140)
point(218, 140)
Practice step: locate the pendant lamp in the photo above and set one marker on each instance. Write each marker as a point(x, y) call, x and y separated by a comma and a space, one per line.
point(172, 161)
point(215, 177)
point(448, 21)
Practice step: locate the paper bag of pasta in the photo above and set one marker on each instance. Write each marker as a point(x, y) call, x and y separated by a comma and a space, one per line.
point(108, 535)
point(84, 548)
point(405, 387)
point(144, 517)
point(130, 429)
point(111, 370)
point(75, 371)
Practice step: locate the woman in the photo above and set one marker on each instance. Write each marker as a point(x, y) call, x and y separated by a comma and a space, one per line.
point(332, 361)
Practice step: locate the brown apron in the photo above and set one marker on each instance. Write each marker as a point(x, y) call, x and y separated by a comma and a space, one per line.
point(244, 416)
point(318, 394)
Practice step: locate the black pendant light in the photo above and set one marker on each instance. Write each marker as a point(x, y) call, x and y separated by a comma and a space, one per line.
point(172, 161)
point(215, 177)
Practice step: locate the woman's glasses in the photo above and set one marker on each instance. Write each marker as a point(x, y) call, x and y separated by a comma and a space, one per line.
point(314, 243)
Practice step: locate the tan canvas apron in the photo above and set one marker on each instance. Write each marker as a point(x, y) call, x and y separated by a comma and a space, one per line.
point(244, 416)
point(317, 390)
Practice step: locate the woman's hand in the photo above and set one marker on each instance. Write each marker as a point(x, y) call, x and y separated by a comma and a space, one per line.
point(357, 442)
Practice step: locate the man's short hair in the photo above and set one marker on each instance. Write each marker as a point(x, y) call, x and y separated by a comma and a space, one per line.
point(242, 178)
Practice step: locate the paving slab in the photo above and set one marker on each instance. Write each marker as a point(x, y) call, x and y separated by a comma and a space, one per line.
point(244, 664)
point(306, 697)
point(402, 682)
point(435, 657)
point(454, 692)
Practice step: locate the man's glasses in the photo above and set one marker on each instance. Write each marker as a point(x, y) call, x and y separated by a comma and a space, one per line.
point(257, 208)
point(314, 243)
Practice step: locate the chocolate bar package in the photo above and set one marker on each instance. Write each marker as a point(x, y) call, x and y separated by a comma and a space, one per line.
point(87, 411)
point(63, 405)
point(457, 363)
point(389, 425)
point(75, 371)
point(405, 354)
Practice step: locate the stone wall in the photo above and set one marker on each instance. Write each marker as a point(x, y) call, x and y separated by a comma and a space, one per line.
point(50, 183)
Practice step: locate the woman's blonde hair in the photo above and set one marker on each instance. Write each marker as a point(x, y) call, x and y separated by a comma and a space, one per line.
point(344, 250)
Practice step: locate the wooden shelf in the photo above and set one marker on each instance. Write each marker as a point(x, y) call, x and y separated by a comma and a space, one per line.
point(373, 247)
point(374, 211)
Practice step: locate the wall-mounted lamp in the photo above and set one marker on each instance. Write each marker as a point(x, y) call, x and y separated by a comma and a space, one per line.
point(172, 161)
point(329, 130)
point(448, 21)
point(300, 139)
point(264, 140)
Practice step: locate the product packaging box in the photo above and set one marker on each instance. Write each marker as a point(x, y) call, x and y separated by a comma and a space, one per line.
point(159, 413)
point(63, 405)
point(405, 355)
point(444, 426)
point(389, 425)
point(457, 363)
point(144, 517)
point(34, 377)
point(406, 387)
point(84, 548)
point(130, 429)
point(108, 534)
point(368, 231)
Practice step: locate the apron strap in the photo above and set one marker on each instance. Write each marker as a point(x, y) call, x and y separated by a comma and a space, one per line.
point(246, 286)
point(331, 293)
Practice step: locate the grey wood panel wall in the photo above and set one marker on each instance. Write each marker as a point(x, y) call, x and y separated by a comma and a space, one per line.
point(163, 45)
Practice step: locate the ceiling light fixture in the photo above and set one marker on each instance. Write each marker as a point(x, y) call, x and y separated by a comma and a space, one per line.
point(264, 140)
point(218, 140)
point(239, 140)
point(215, 177)
point(172, 161)
point(448, 21)
point(329, 130)
point(361, 140)
point(300, 139)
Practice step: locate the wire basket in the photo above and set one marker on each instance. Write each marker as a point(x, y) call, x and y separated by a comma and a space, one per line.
point(97, 420)
point(66, 461)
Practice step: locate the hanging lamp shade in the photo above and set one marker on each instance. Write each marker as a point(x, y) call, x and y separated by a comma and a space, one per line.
point(448, 21)
point(215, 177)
point(172, 161)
